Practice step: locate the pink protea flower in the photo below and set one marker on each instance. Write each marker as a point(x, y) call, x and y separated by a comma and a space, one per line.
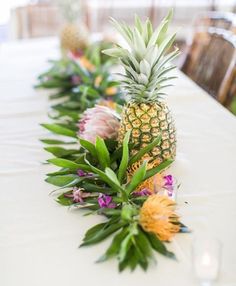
point(99, 121)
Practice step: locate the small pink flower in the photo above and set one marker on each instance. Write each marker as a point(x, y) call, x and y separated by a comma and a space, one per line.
point(78, 195)
point(99, 121)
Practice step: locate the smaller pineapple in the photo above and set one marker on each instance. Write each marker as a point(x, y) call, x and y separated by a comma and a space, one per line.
point(73, 37)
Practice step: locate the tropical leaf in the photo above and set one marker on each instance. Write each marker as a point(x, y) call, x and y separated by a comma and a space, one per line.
point(144, 150)
point(88, 146)
point(137, 178)
point(56, 142)
point(63, 171)
point(92, 187)
point(158, 169)
point(65, 201)
point(128, 211)
point(68, 164)
point(105, 178)
point(60, 152)
point(93, 230)
point(124, 247)
point(115, 246)
point(102, 153)
point(159, 246)
point(125, 157)
point(55, 128)
point(112, 175)
point(63, 181)
point(103, 234)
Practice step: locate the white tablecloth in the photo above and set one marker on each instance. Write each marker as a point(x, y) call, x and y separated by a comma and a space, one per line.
point(39, 239)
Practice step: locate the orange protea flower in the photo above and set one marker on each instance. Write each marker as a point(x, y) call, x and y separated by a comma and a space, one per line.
point(108, 103)
point(110, 91)
point(86, 63)
point(157, 215)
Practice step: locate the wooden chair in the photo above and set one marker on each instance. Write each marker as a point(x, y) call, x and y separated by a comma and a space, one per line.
point(232, 91)
point(223, 20)
point(44, 20)
point(210, 61)
point(37, 20)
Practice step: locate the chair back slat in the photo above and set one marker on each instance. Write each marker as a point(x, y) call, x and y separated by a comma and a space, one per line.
point(210, 61)
point(222, 20)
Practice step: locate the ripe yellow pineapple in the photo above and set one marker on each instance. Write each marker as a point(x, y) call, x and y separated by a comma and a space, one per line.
point(73, 36)
point(146, 64)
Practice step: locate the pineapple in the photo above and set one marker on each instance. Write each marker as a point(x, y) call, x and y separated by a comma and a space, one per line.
point(73, 37)
point(146, 64)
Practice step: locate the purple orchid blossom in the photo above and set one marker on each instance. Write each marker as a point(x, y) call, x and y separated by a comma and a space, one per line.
point(81, 173)
point(75, 80)
point(169, 184)
point(105, 201)
point(169, 180)
point(143, 192)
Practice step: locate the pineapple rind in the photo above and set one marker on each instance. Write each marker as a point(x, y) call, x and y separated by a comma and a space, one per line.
point(146, 122)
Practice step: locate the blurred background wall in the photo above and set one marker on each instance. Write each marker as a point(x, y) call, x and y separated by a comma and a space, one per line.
point(20, 19)
point(208, 56)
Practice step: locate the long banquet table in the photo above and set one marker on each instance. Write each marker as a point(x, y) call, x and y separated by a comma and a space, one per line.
point(39, 239)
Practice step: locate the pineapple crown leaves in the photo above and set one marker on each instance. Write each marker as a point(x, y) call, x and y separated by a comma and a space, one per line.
point(146, 62)
point(70, 9)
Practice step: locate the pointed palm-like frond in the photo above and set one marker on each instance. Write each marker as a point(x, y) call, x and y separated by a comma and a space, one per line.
point(146, 62)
